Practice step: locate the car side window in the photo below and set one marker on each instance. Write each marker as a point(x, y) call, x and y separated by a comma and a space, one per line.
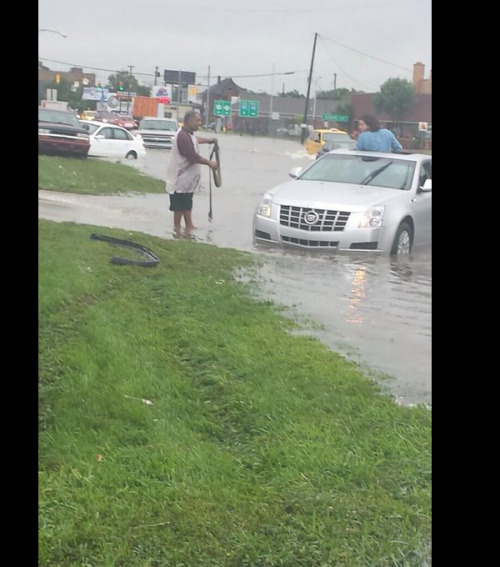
point(107, 133)
point(425, 172)
point(120, 135)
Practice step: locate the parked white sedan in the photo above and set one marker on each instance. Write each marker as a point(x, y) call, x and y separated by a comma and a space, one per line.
point(110, 141)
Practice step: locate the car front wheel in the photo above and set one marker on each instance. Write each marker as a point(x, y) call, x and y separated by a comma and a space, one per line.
point(403, 240)
point(131, 155)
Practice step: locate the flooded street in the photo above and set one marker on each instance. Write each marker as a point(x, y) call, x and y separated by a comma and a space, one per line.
point(372, 309)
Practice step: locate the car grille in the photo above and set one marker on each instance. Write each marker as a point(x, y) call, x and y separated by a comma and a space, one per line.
point(326, 220)
point(309, 243)
point(162, 138)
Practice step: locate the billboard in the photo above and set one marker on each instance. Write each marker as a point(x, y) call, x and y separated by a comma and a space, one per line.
point(158, 91)
point(179, 77)
point(95, 93)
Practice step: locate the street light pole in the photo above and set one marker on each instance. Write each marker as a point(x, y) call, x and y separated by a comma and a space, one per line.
point(53, 31)
point(129, 84)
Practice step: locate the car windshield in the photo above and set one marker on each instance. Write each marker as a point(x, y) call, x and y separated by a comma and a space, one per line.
point(336, 144)
point(331, 136)
point(158, 125)
point(362, 170)
point(47, 115)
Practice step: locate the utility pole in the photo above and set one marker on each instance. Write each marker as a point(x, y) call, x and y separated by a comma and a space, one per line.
point(207, 112)
point(156, 74)
point(334, 86)
point(129, 84)
point(304, 121)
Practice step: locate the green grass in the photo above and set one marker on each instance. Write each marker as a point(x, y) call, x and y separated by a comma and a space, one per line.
point(260, 447)
point(93, 177)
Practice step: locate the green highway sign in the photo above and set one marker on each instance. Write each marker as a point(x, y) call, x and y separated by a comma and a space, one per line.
point(222, 107)
point(335, 117)
point(249, 108)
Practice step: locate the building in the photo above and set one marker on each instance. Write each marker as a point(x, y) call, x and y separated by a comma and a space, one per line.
point(75, 76)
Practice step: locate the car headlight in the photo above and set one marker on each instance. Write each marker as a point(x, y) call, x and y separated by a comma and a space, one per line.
point(265, 206)
point(373, 218)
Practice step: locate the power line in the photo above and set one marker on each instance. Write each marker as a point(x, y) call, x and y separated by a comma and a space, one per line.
point(153, 74)
point(366, 55)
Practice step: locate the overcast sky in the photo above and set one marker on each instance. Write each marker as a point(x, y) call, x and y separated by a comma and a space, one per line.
point(362, 42)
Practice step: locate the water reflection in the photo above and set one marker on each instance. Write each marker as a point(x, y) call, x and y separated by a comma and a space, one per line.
point(359, 293)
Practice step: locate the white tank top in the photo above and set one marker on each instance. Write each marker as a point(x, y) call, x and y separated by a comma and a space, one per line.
point(182, 176)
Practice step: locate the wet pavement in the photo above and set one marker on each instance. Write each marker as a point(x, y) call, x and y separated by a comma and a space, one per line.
point(374, 310)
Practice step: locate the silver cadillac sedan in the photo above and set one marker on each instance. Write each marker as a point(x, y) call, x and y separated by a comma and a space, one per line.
point(351, 200)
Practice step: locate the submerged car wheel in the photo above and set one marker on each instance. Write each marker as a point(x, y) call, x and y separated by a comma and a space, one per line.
point(131, 155)
point(403, 241)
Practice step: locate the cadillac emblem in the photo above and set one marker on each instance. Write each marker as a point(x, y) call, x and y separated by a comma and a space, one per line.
point(310, 217)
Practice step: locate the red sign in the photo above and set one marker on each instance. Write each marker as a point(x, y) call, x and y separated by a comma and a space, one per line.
point(163, 99)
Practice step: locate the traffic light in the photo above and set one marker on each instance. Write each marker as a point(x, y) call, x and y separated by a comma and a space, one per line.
point(120, 86)
point(58, 78)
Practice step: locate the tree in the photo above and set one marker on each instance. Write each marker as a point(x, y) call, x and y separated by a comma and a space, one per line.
point(65, 92)
point(334, 94)
point(396, 98)
point(125, 80)
point(294, 94)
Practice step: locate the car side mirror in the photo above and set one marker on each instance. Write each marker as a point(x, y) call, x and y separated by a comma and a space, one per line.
point(427, 186)
point(295, 171)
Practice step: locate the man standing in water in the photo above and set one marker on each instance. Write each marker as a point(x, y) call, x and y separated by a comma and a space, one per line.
point(184, 171)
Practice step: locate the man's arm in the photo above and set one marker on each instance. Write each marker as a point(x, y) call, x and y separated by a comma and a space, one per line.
point(186, 149)
point(206, 140)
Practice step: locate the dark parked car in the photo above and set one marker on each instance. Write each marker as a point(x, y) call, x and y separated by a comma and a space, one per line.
point(60, 133)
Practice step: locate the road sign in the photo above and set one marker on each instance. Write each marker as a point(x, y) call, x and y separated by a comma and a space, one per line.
point(222, 107)
point(335, 117)
point(249, 108)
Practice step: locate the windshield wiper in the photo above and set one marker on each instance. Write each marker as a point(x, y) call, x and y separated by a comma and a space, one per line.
point(374, 174)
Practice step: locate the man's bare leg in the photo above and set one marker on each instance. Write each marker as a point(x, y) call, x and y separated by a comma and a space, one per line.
point(177, 219)
point(188, 220)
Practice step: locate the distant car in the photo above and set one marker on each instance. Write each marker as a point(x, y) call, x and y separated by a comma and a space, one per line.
point(61, 134)
point(351, 200)
point(118, 119)
point(111, 141)
point(317, 138)
point(88, 115)
point(126, 121)
point(347, 143)
point(157, 132)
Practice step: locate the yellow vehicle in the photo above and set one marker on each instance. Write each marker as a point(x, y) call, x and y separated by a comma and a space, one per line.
point(317, 138)
point(88, 115)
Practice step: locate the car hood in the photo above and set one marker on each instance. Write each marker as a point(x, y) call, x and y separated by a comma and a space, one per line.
point(328, 195)
point(155, 131)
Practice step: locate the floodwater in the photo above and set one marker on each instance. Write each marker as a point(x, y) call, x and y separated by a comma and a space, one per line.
point(372, 309)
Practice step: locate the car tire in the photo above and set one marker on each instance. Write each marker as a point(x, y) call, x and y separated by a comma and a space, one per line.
point(131, 155)
point(403, 240)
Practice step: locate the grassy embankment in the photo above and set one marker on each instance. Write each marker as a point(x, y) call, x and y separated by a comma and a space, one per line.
point(183, 423)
